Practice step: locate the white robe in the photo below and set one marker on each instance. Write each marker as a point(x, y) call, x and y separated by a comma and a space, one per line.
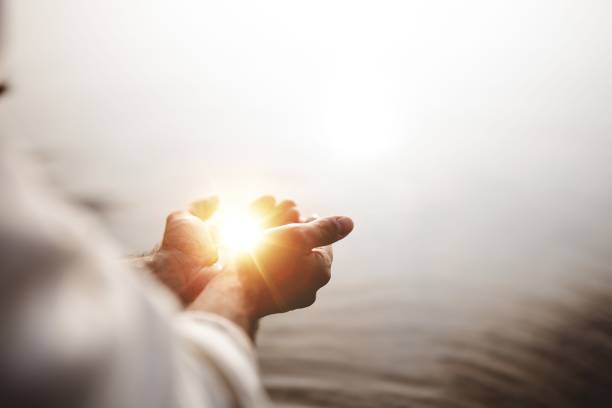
point(78, 327)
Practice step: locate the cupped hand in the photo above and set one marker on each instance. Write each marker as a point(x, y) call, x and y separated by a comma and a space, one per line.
point(273, 214)
point(187, 251)
point(282, 273)
point(185, 260)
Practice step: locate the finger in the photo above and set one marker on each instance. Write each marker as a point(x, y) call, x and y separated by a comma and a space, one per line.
point(285, 205)
point(176, 215)
point(325, 231)
point(286, 217)
point(262, 205)
point(205, 208)
point(180, 216)
point(283, 213)
point(317, 233)
point(291, 216)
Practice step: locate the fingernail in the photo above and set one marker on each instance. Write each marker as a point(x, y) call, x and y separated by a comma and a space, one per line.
point(345, 224)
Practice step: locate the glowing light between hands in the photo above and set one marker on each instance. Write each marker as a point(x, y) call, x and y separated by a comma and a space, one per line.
point(237, 231)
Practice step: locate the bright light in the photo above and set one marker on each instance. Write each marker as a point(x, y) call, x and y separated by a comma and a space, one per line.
point(238, 232)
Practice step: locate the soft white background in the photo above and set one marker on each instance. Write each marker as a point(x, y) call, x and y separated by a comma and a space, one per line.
point(471, 142)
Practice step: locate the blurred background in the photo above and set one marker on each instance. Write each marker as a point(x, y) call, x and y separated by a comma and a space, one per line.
point(470, 141)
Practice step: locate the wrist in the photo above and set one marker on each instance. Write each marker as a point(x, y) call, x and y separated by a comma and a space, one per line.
point(227, 296)
point(182, 275)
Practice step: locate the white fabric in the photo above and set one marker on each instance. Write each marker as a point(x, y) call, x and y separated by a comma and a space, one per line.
point(78, 328)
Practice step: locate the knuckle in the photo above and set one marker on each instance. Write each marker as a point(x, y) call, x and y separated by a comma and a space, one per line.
point(307, 300)
point(321, 277)
point(325, 276)
point(173, 216)
point(320, 274)
point(293, 215)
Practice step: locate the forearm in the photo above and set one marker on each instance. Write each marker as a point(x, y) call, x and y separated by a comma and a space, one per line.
point(227, 297)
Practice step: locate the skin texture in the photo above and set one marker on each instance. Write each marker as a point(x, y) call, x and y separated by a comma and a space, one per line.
point(295, 254)
point(283, 273)
point(187, 251)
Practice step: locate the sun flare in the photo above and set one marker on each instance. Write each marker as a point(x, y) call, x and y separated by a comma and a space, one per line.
point(238, 231)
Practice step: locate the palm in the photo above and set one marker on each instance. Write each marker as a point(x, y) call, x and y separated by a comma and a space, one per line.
point(188, 250)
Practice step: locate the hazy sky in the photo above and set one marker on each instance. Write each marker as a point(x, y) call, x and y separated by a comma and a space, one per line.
point(423, 120)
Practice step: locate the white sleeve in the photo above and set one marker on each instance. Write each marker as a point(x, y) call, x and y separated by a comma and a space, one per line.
point(225, 357)
point(79, 329)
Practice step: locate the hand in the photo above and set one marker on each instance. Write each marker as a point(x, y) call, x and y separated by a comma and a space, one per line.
point(273, 214)
point(184, 261)
point(184, 258)
point(291, 264)
point(283, 273)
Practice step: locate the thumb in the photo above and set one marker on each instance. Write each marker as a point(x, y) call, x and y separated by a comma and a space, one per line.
point(325, 231)
point(320, 232)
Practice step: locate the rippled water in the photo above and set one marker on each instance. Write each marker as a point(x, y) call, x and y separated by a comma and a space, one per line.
point(470, 143)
